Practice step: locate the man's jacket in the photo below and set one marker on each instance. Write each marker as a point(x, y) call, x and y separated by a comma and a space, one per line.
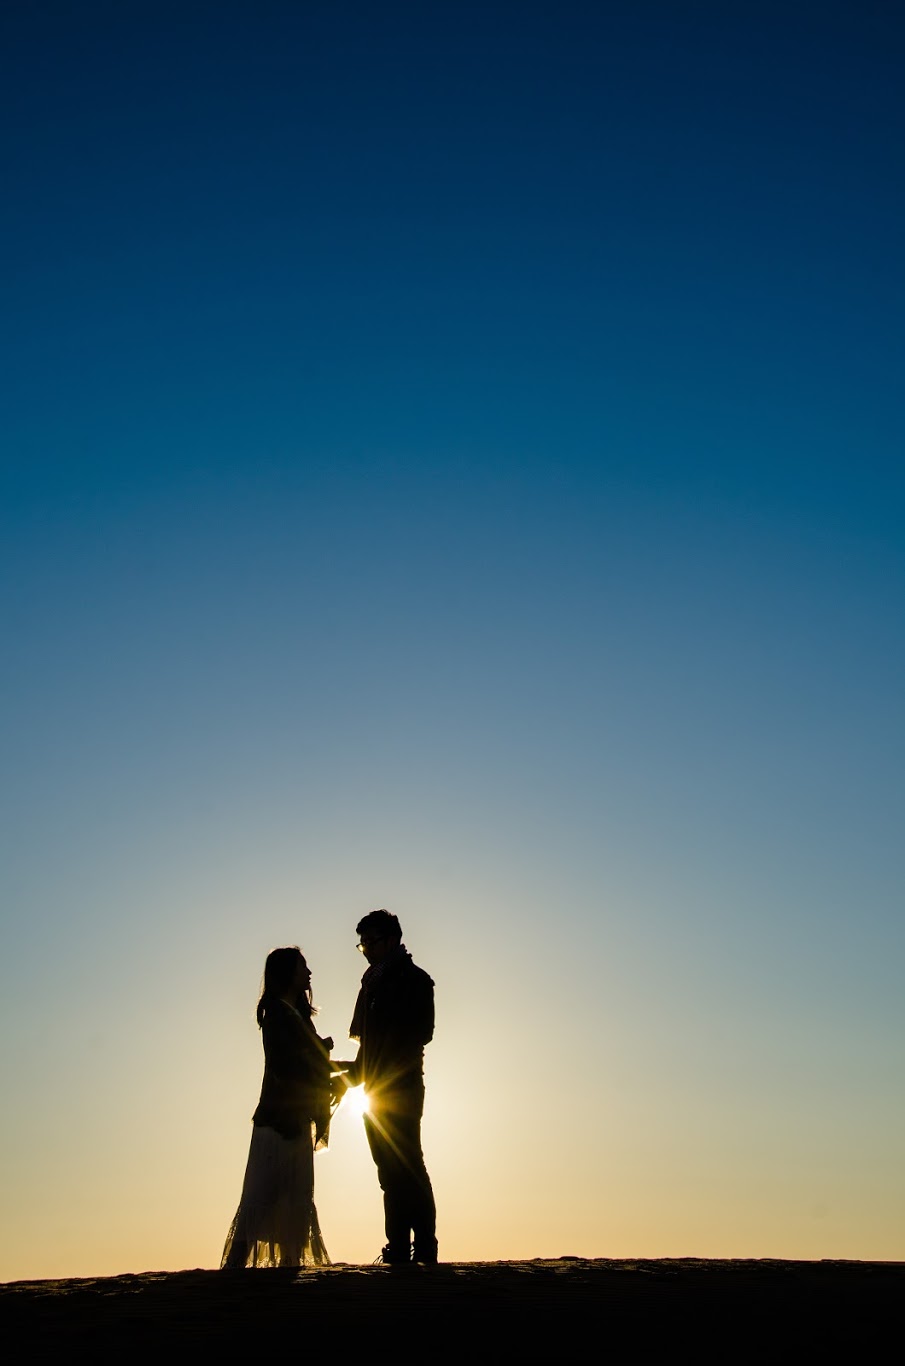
point(393, 1020)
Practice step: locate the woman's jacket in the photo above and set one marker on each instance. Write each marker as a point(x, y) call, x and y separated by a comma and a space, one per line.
point(295, 1091)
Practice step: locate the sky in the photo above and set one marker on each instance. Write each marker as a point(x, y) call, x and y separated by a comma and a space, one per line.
point(452, 460)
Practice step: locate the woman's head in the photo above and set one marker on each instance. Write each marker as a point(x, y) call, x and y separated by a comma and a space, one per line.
point(282, 968)
point(287, 977)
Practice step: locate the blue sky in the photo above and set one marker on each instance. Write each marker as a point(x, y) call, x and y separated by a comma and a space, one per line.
point(452, 460)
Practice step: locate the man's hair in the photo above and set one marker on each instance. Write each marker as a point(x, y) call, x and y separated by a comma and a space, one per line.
point(380, 923)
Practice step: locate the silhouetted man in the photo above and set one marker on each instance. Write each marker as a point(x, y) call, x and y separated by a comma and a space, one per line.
point(393, 1020)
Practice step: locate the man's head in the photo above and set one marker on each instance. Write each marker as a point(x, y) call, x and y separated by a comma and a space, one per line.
point(378, 932)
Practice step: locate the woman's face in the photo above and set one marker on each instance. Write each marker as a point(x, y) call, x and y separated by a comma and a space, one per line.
point(302, 975)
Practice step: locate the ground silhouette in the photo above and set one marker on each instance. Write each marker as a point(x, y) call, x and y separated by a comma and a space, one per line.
point(628, 1310)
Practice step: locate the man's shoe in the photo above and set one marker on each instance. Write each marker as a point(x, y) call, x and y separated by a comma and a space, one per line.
point(394, 1256)
point(426, 1255)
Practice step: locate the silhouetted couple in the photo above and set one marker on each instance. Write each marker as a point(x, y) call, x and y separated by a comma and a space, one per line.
point(276, 1222)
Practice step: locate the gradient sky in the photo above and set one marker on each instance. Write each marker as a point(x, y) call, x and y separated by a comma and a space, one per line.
point(453, 461)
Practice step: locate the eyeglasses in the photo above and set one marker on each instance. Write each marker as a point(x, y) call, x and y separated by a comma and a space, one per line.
point(364, 944)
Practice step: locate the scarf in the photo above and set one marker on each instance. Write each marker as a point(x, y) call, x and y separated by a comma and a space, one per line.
point(368, 983)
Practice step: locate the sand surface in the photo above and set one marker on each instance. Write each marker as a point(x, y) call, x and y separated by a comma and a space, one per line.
point(567, 1307)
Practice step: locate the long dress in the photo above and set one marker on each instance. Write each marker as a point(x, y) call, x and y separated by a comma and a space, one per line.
point(276, 1223)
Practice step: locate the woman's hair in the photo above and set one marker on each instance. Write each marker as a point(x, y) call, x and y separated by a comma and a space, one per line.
point(279, 974)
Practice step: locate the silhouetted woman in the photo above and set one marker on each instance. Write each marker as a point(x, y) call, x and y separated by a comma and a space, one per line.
point(276, 1222)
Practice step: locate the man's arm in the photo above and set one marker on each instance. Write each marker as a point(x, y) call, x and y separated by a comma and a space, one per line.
point(342, 1076)
point(422, 1008)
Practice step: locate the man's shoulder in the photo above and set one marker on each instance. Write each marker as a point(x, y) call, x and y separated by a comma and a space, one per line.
point(424, 978)
point(409, 976)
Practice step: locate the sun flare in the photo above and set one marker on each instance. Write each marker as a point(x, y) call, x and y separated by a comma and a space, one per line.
point(355, 1101)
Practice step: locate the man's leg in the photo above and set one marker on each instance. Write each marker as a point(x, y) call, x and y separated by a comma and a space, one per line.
point(394, 1135)
point(383, 1143)
point(421, 1212)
